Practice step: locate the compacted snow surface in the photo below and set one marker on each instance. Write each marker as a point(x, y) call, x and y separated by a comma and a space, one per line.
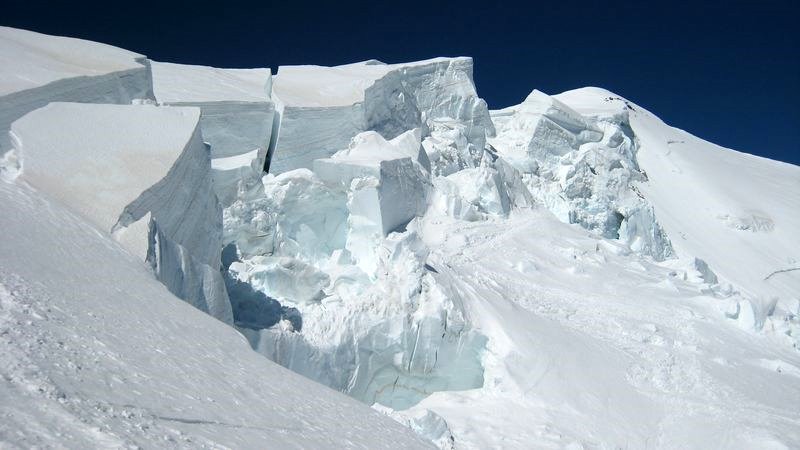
point(569, 272)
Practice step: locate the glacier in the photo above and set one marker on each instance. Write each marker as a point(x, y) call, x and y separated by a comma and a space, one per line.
point(568, 272)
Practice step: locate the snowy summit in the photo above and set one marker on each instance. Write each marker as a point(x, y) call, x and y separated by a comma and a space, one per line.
point(368, 256)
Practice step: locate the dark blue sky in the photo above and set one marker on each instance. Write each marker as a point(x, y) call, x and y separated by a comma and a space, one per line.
point(728, 72)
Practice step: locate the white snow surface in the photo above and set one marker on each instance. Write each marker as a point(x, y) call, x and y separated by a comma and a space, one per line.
point(98, 354)
point(183, 83)
point(107, 153)
point(735, 211)
point(569, 272)
point(322, 86)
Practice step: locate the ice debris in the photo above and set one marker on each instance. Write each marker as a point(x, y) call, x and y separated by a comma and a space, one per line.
point(584, 169)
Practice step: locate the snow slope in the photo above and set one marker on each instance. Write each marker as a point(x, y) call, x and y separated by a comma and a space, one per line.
point(735, 211)
point(550, 262)
point(36, 69)
point(140, 172)
point(593, 347)
point(98, 354)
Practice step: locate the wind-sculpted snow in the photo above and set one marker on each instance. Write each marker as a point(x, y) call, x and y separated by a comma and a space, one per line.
point(592, 345)
point(141, 173)
point(236, 118)
point(36, 69)
point(321, 108)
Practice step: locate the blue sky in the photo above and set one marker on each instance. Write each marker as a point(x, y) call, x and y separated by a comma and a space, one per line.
point(728, 72)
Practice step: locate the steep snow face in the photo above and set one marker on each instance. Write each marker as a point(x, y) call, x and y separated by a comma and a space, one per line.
point(744, 231)
point(96, 353)
point(582, 167)
point(36, 69)
point(322, 108)
point(236, 118)
point(141, 173)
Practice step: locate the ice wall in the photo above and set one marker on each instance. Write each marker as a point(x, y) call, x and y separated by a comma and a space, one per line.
point(236, 118)
point(141, 173)
point(36, 69)
point(321, 108)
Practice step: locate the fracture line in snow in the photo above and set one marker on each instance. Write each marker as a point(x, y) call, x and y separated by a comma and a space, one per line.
point(791, 269)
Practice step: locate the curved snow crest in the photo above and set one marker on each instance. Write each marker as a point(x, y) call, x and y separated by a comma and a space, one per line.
point(119, 166)
point(96, 353)
point(321, 108)
point(36, 69)
point(323, 86)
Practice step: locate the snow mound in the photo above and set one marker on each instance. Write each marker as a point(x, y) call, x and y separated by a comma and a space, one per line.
point(141, 173)
point(36, 69)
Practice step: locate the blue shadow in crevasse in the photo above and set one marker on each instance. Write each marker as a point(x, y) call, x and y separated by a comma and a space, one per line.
point(251, 308)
